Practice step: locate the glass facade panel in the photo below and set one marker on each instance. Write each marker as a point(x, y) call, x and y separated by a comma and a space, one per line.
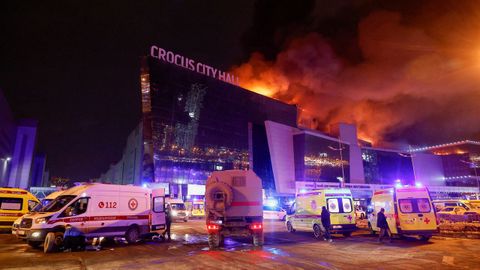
point(385, 167)
point(318, 159)
point(195, 124)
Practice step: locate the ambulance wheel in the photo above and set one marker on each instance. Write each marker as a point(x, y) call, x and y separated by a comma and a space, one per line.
point(258, 239)
point(213, 240)
point(347, 234)
point(53, 240)
point(425, 238)
point(34, 244)
point(132, 235)
point(290, 227)
point(372, 232)
point(317, 231)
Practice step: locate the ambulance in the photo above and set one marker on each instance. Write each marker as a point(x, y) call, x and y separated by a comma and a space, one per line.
point(179, 209)
point(305, 213)
point(409, 211)
point(198, 209)
point(14, 203)
point(21, 233)
point(98, 210)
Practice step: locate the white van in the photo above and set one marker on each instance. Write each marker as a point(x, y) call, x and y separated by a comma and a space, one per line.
point(179, 209)
point(409, 211)
point(98, 210)
point(21, 233)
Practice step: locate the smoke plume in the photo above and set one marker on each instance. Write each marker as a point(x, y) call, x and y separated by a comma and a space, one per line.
point(417, 81)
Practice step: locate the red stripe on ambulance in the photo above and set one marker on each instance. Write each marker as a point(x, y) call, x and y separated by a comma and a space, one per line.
point(97, 218)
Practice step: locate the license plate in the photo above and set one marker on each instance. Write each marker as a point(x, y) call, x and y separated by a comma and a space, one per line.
point(19, 232)
point(337, 227)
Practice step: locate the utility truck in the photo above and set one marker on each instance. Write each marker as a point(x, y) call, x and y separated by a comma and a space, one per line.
point(233, 206)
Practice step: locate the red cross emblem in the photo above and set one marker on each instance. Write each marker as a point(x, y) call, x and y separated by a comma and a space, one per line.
point(350, 218)
point(426, 220)
point(132, 204)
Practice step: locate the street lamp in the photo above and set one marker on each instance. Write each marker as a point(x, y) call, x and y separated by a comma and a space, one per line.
point(474, 166)
point(340, 148)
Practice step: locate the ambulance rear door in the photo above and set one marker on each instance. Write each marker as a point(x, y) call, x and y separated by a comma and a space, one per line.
point(157, 213)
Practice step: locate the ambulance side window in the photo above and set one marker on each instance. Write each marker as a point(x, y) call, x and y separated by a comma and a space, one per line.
point(31, 205)
point(158, 204)
point(77, 208)
point(291, 210)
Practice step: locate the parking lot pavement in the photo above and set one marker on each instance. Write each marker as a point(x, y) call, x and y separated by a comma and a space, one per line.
point(282, 250)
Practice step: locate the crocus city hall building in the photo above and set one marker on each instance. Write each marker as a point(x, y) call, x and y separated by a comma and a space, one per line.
point(196, 119)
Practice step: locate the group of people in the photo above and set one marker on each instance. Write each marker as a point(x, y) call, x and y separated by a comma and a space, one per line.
point(73, 239)
point(381, 223)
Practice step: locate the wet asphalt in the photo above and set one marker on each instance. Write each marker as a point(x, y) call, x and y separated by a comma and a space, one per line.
point(282, 250)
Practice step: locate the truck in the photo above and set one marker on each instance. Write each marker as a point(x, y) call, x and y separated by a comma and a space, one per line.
point(97, 210)
point(233, 206)
point(408, 209)
point(305, 213)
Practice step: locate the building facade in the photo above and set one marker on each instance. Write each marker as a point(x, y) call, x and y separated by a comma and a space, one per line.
point(194, 123)
point(17, 150)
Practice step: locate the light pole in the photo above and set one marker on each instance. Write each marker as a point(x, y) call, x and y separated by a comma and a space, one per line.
point(340, 148)
point(474, 166)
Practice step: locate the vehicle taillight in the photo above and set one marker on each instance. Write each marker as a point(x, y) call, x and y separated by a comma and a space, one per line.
point(256, 226)
point(213, 227)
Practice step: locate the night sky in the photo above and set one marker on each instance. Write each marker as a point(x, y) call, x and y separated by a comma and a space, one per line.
point(75, 66)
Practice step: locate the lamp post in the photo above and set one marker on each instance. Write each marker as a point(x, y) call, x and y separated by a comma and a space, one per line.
point(340, 148)
point(474, 166)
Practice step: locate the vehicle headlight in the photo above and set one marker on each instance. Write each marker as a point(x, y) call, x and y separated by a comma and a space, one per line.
point(42, 220)
point(174, 213)
point(35, 234)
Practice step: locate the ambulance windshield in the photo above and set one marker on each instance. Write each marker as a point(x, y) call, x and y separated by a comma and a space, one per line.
point(58, 203)
point(178, 206)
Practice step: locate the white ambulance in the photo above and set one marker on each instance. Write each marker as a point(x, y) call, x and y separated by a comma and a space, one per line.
point(98, 210)
point(179, 209)
point(409, 211)
point(21, 233)
point(305, 213)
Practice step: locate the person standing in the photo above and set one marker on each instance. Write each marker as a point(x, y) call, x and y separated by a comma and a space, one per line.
point(325, 217)
point(383, 225)
point(168, 222)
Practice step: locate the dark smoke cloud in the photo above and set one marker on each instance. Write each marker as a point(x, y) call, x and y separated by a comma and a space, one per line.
point(410, 75)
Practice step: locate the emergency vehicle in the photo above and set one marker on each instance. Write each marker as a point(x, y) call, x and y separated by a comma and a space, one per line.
point(179, 209)
point(21, 233)
point(305, 213)
point(14, 203)
point(98, 210)
point(409, 211)
point(233, 206)
point(198, 209)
